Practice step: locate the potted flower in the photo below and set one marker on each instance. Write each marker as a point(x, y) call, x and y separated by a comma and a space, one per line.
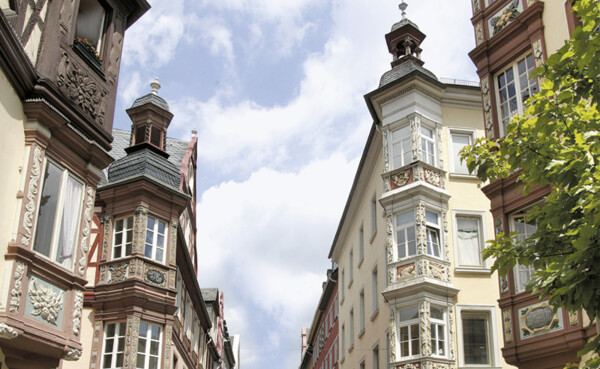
point(87, 48)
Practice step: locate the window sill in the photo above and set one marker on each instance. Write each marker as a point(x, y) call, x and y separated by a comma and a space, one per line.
point(473, 270)
point(361, 333)
point(88, 57)
point(360, 262)
point(464, 176)
point(350, 283)
point(373, 237)
point(351, 348)
point(374, 315)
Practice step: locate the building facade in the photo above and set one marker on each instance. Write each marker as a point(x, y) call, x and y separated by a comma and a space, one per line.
point(59, 67)
point(320, 342)
point(414, 291)
point(513, 37)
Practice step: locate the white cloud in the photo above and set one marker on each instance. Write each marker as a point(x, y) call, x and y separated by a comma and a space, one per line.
point(130, 87)
point(213, 31)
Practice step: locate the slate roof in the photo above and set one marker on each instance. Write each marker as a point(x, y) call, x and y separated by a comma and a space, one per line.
point(209, 294)
point(403, 69)
point(153, 99)
point(144, 162)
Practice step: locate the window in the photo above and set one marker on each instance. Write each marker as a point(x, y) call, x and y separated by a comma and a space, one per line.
point(459, 141)
point(375, 290)
point(350, 268)
point(361, 305)
point(514, 87)
point(373, 215)
point(438, 331)
point(148, 355)
point(114, 345)
point(469, 241)
point(401, 147)
point(522, 273)
point(361, 365)
point(361, 245)
point(343, 347)
point(351, 323)
point(433, 233)
point(155, 239)
point(58, 215)
point(408, 329)
point(343, 285)
point(475, 335)
point(335, 351)
point(406, 234)
point(122, 238)
point(91, 23)
point(376, 357)
point(428, 145)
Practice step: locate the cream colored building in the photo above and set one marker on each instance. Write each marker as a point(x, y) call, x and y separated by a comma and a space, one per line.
point(414, 291)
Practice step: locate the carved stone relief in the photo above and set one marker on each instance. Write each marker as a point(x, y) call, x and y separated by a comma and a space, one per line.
point(117, 273)
point(538, 318)
point(432, 177)
point(78, 307)
point(129, 343)
point(72, 355)
point(538, 54)
point(406, 272)
point(8, 332)
point(168, 346)
point(81, 88)
point(451, 332)
point(17, 291)
point(479, 33)
point(421, 229)
point(424, 317)
point(107, 220)
point(46, 301)
point(415, 127)
point(173, 241)
point(392, 334)
point(487, 108)
point(139, 229)
point(95, 344)
point(503, 285)
point(32, 191)
point(507, 318)
point(114, 57)
point(390, 238)
point(410, 366)
point(386, 152)
point(476, 6)
point(573, 318)
point(85, 246)
point(418, 173)
point(134, 338)
point(401, 179)
point(155, 276)
point(102, 273)
point(440, 154)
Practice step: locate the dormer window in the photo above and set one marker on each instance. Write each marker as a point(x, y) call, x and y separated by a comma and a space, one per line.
point(92, 21)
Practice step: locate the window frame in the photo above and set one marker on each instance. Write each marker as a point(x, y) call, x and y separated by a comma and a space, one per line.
point(124, 242)
point(373, 217)
point(482, 219)
point(517, 86)
point(434, 228)
point(149, 341)
point(374, 292)
point(403, 150)
point(57, 219)
point(361, 245)
point(351, 330)
point(439, 323)
point(103, 27)
point(472, 134)
point(115, 351)
point(154, 247)
point(432, 140)
point(518, 268)
point(489, 312)
point(404, 228)
point(408, 323)
point(361, 312)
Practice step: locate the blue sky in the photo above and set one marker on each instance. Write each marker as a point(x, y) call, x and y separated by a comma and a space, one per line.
point(275, 89)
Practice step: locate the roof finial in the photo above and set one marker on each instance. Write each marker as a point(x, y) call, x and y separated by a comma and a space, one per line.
point(194, 131)
point(403, 7)
point(155, 86)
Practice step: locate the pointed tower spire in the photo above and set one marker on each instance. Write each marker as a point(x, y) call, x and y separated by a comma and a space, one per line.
point(404, 40)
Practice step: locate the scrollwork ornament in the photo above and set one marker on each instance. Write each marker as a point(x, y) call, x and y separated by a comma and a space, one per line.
point(401, 179)
point(46, 302)
point(173, 242)
point(78, 303)
point(390, 238)
point(451, 331)
point(424, 315)
point(392, 336)
point(7, 332)
point(406, 272)
point(107, 221)
point(17, 291)
point(118, 273)
point(32, 191)
point(85, 246)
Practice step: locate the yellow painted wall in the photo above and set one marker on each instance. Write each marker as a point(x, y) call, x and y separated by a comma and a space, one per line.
point(556, 30)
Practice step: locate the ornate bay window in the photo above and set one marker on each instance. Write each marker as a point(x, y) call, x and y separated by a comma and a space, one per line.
point(416, 140)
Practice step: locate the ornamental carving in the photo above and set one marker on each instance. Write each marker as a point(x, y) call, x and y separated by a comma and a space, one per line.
point(503, 285)
point(390, 238)
point(451, 331)
point(72, 355)
point(17, 290)
point(439, 366)
point(401, 179)
point(128, 342)
point(81, 88)
point(117, 273)
point(392, 334)
point(107, 220)
point(139, 229)
point(173, 241)
point(114, 57)
point(134, 337)
point(47, 303)
point(507, 318)
point(538, 318)
point(440, 156)
point(7, 332)
point(85, 246)
point(420, 221)
point(391, 275)
point(406, 272)
point(487, 108)
point(538, 54)
point(386, 153)
point(435, 270)
point(479, 33)
point(32, 191)
point(505, 16)
point(415, 128)
point(410, 366)
point(102, 273)
point(95, 344)
point(499, 227)
point(424, 315)
point(476, 6)
point(168, 345)
point(573, 318)
point(432, 177)
point(155, 276)
point(78, 303)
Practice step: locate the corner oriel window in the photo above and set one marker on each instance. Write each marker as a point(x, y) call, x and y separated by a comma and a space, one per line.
point(58, 215)
point(155, 239)
point(123, 237)
point(91, 25)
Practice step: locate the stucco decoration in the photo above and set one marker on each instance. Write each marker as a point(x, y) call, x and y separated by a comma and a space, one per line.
point(573, 318)
point(7, 332)
point(114, 57)
point(451, 342)
point(505, 16)
point(17, 291)
point(439, 366)
point(487, 107)
point(390, 238)
point(440, 154)
point(139, 228)
point(433, 177)
point(72, 355)
point(479, 33)
point(538, 319)
point(410, 366)
point(134, 339)
point(401, 179)
point(87, 221)
point(107, 221)
point(538, 54)
point(47, 303)
point(168, 346)
point(81, 88)
point(507, 318)
point(66, 14)
point(435, 270)
point(386, 152)
point(173, 241)
point(32, 191)
point(405, 272)
point(392, 334)
point(95, 344)
point(503, 285)
point(446, 236)
point(425, 323)
point(128, 343)
point(78, 307)
point(421, 230)
point(117, 273)
point(415, 128)
point(475, 6)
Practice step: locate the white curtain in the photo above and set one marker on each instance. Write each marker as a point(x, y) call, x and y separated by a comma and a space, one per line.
point(468, 242)
point(68, 227)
